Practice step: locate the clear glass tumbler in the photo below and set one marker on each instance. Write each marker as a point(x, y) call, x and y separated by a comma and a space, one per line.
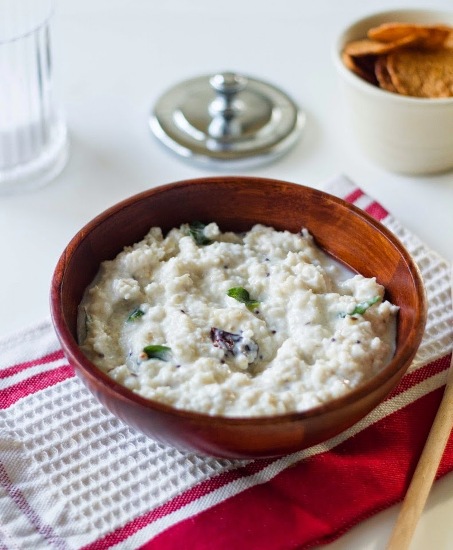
point(33, 135)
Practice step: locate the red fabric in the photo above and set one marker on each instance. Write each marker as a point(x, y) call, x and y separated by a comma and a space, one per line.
point(298, 508)
point(33, 384)
point(321, 497)
point(15, 369)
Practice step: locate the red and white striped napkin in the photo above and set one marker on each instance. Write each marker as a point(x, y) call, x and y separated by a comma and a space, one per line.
point(73, 476)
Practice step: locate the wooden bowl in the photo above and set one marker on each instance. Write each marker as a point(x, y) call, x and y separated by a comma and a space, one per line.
point(237, 203)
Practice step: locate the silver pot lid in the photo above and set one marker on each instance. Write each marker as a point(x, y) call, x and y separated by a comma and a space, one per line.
point(226, 119)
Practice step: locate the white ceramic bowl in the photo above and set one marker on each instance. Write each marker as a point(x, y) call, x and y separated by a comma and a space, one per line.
point(402, 134)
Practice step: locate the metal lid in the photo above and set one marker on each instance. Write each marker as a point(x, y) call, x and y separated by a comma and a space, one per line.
point(227, 119)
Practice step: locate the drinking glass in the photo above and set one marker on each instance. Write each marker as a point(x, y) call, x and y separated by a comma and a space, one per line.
point(33, 135)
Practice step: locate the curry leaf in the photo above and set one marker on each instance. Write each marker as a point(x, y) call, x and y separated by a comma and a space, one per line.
point(156, 351)
point(242, 295)
point(196, 230)
point(362, 307)
point(136, 314)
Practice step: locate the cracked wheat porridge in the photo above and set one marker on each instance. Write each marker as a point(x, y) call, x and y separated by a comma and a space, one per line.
point(257, 323)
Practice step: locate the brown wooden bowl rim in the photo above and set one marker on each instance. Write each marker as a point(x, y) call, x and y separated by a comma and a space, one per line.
point(80, 362)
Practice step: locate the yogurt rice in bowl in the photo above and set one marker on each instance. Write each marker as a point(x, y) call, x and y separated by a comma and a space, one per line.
point(200, 366)
point(257, 323)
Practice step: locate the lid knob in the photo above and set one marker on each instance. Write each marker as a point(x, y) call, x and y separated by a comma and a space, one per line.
point(228, 83)
point(226, 109)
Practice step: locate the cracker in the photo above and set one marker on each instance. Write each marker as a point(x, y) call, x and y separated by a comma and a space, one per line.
point(362, 66)
point(382, 74)
point(365, 46)
point(435, 37)
point(426, 36)
point(422, 73)
point(449, 41)
point(389, 32)
point(405, 58)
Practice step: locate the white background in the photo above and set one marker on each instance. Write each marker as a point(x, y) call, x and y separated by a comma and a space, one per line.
point(113, 60)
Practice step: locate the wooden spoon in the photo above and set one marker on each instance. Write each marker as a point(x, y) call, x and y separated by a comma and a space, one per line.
point(427, 466)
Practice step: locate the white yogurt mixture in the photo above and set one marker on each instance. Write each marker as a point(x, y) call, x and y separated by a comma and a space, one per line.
point(260, 323)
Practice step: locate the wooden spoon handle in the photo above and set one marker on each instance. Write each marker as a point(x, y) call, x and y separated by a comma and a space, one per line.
point(424, 475)
point(425, 471)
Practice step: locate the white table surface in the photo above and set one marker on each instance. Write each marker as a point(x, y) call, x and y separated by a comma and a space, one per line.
point(113, 60)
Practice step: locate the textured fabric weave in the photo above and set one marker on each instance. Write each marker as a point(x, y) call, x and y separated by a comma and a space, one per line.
point(73, 476)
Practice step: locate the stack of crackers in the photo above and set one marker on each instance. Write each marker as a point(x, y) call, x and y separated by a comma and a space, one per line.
point(405, 58)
